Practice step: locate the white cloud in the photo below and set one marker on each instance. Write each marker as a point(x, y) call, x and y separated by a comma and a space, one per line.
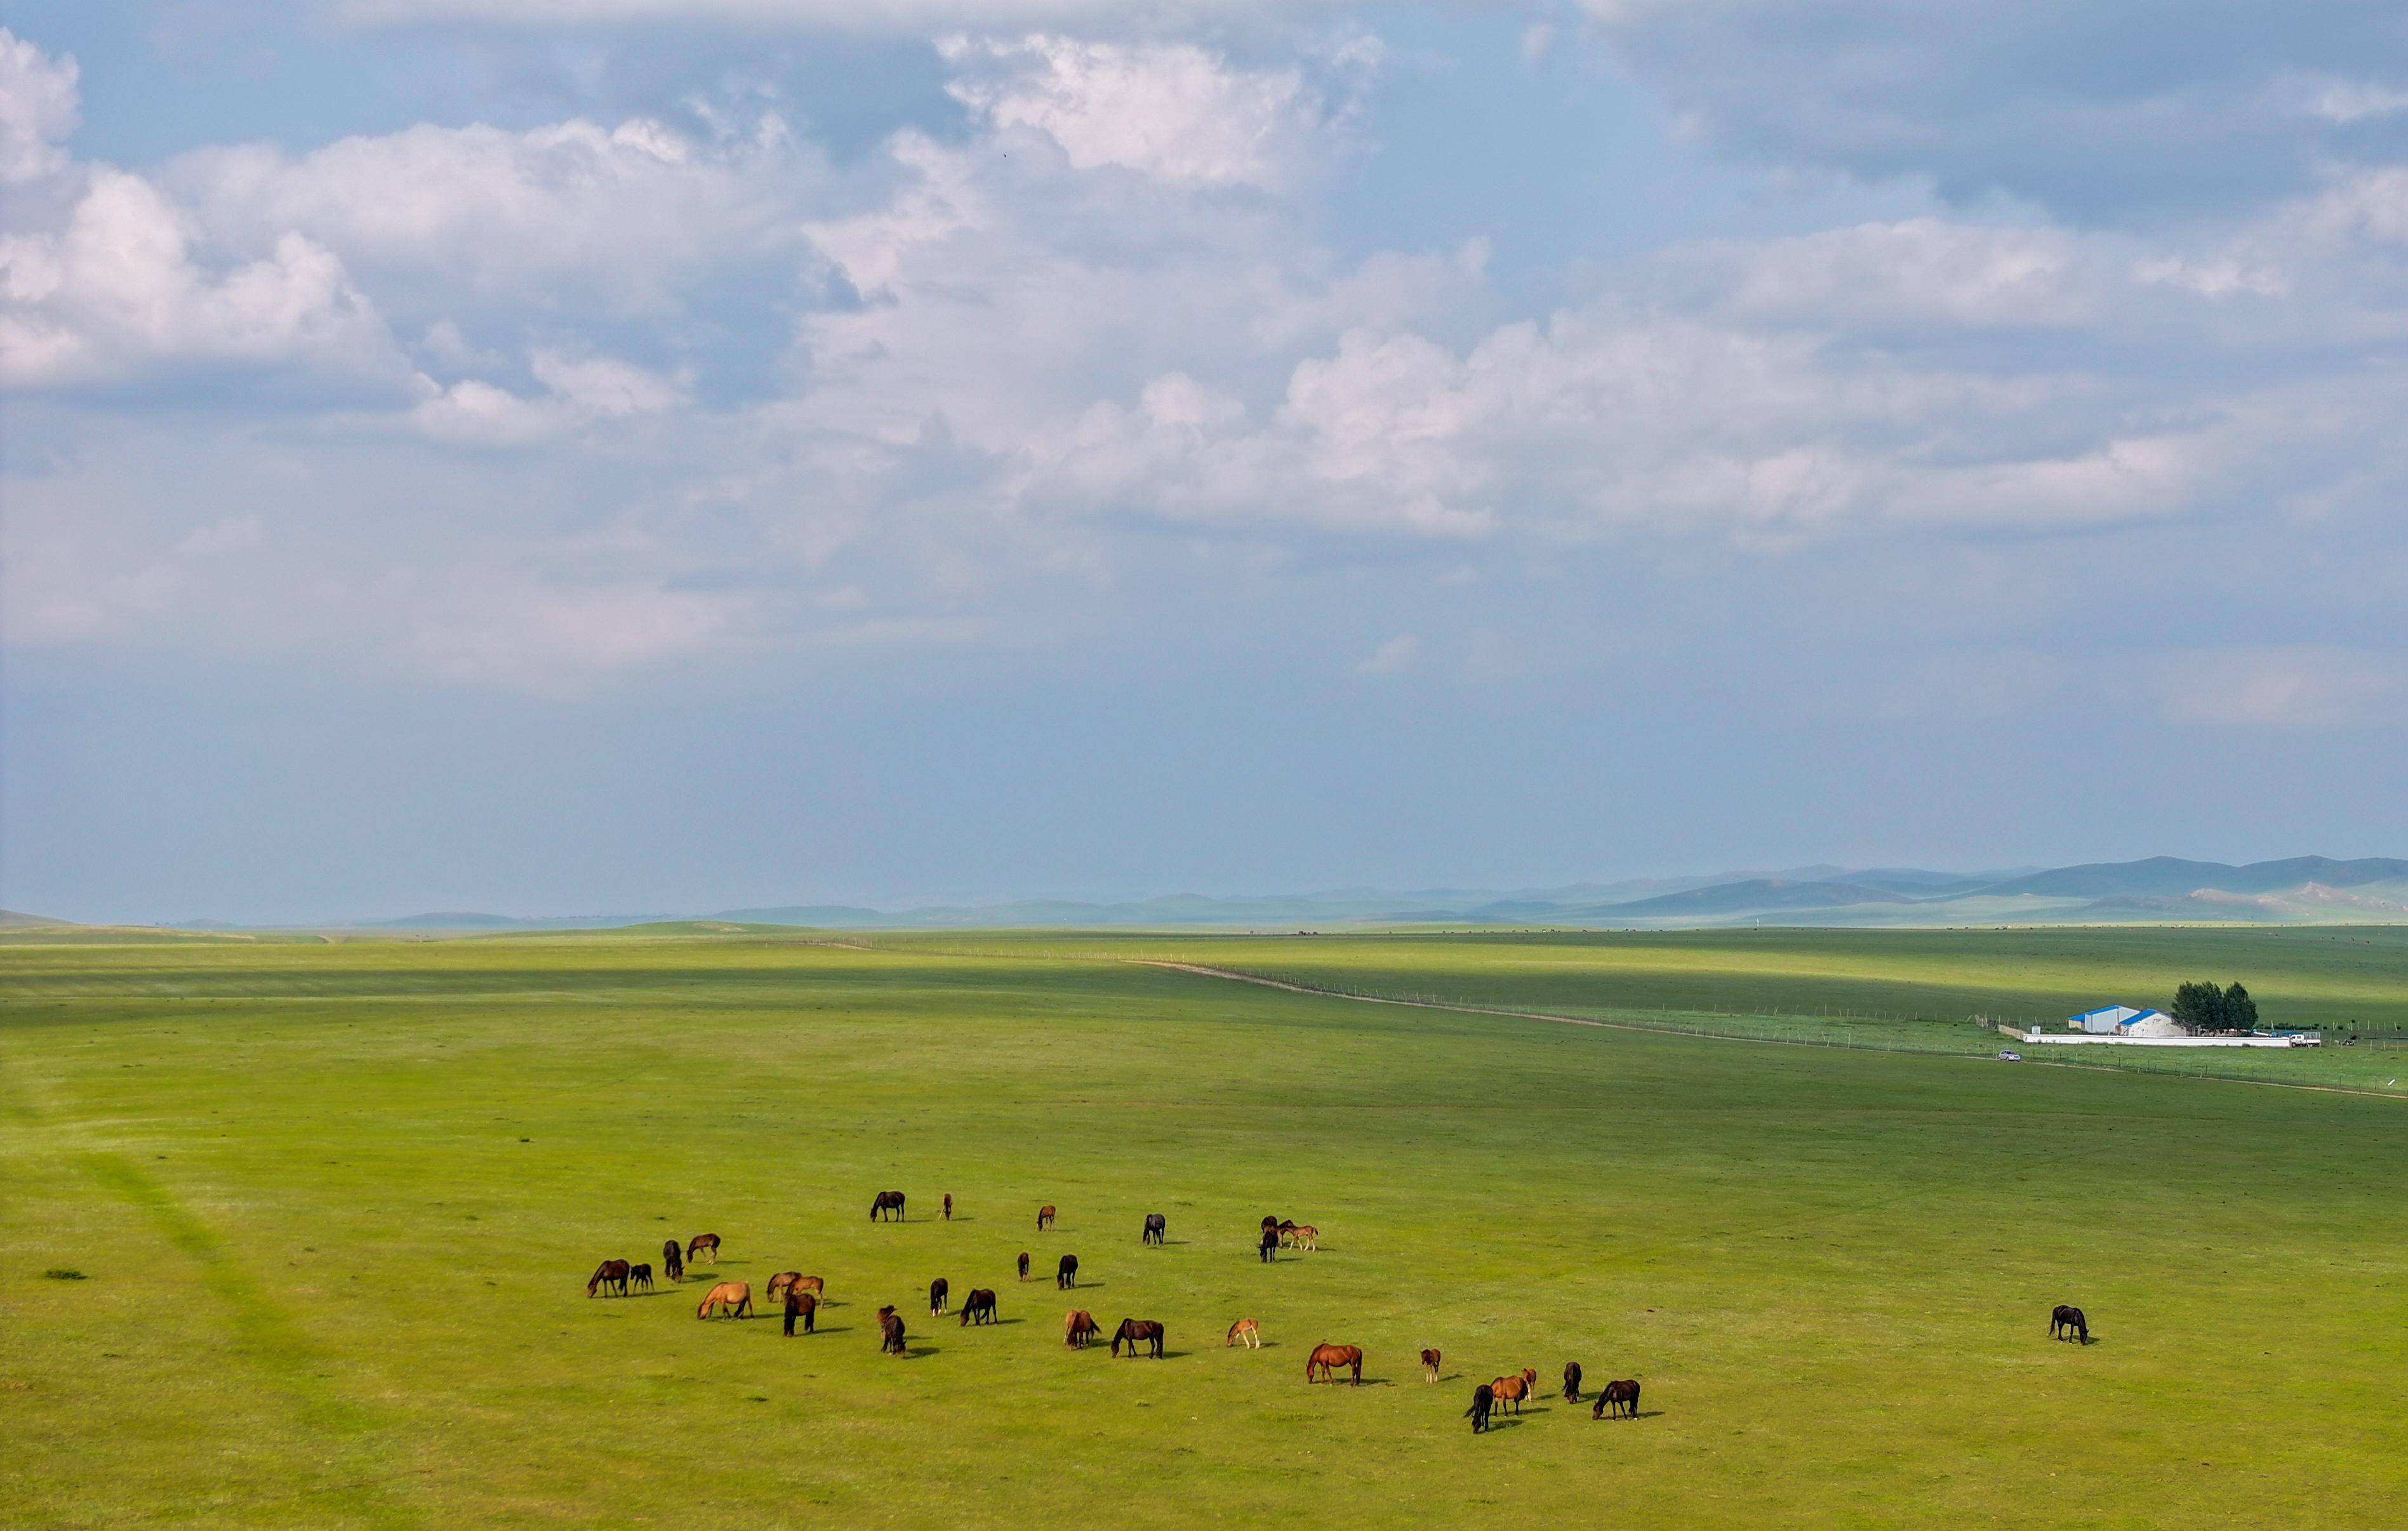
point(1392, 657)
point(583, 391)
point(903, 17)
point(39, 107)
point(2355, 101)
point(2279, 687)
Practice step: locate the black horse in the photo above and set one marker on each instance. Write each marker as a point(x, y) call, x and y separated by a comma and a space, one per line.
point(978, 1306)
point(1023, 1265)
point(673, 1260)
point(1155, 1227)
point(801, 1305)
point(2066, 1322)
point(888, 1201)
point(936, 1290)
point(1483, 1401)
point(1269, 1250)
point(1066, 1275)
point(892, 1327)
point(640, 1275)
point(1615, 1398)
point(1138, 1332)
point(1571, 1381)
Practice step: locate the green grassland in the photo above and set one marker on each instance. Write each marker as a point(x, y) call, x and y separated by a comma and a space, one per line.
point(336, 1203)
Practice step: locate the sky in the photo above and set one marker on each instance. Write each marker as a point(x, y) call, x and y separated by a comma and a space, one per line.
point(579, 456)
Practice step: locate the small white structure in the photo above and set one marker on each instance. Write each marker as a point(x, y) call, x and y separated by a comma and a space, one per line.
point(2152, 1024)
point(2105, 1021)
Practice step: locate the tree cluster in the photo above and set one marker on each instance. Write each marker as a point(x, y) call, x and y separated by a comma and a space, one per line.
point(2203, 1007)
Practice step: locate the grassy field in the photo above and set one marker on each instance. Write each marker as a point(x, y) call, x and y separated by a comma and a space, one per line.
point(334, 1207)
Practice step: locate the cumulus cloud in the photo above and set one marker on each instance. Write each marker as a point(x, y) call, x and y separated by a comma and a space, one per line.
point(39, 107)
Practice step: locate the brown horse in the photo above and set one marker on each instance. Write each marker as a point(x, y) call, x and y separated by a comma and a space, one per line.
point(640, 1275)
point(1044, 1217)
point(1066, 1275)
point(888, 1201)
point(1429, 1365)
point(1303, 1236)
point(1023, 1265)
point(609, 1273)
point(779, 1282)
point(1513, 1389)
point(978, 1306)
point(1246, 1330)
point(1483, 1400)
point(1270, 1223)
point(1327, 1359)
point(1079, 1329)
point(1269, 1249)
point(1571, 1381)
point(2066, 1322)
point(734, 1297)
point(891, 1328)
point(801, 1305)
point(1155, 1227)
point(1616, 1397)
point(936, 1290)
point(701, 1243)
point(948, 1206)
point(1139, 1332)
point(672, 1260)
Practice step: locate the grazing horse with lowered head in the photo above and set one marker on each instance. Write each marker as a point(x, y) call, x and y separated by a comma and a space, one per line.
point(1269, 1249)
point(801, 1305)
point(1514, 1390)
point(1155, 1227)
point(1483, 1400)
point(1246, 1330)
point(1066, 1275)
point(1327, 1359)
point(936, 1290)
point(779, 1282)
point(978, 1306)
point(734, 1298)
point(672, 1260)
point(1079, 1329)
point(1618, 1397)
point(609, 1273)
point(1044, 1217)
point(1023, 1265)
point(702, 1244)
point(640, 1275)
point(890, 1326)
point(1571, 1381)
point(2066, 1323)
point(1429, 1365)
point(888, 1201)
point(1139, 1332)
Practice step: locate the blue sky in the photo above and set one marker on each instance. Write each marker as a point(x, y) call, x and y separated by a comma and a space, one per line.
point(560, 456)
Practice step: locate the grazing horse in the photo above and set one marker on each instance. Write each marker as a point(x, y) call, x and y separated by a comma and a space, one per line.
point(641, 1275)
point(1286, 1229)
point(1484, 1399)
point(1044, 1217)
point(610, 1273)
point(1155, 1227)
point(1079, 1329)
point(779, 1282)
point(801, 1305)
point(1620, 1397)
point(978, 1306)
point(888, 1201)
point(948, 1206)
point(1246, 1330)
point(701, 1243)
point(1139, 1332)
point(734, 1297)
point(891, 1327)
point(672, 1260)
point(1571, 1381)
point(1429, 1365)
point(1327, 1359)
point(936, 1290)
point(2066, 1323)
point(1066, 1275)
point(1303, 1236)
point(1269, 1250)
point(1023, 1265)
point(1511, 1390)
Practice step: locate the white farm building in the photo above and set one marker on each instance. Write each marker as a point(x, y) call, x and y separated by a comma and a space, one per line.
point(2124, 1021)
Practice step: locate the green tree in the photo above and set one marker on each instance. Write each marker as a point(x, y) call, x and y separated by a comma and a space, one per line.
point(2240, 1011)
point(2200, 1007)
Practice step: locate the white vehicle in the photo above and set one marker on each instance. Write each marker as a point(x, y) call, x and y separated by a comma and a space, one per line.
point(2010, 1055)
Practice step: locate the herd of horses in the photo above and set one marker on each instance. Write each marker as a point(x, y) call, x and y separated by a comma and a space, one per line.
point(801, 1296)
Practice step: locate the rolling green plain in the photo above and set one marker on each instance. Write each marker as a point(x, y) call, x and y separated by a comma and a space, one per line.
point(332, 1206)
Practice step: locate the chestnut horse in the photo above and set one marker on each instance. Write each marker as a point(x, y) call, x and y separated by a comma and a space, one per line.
point(700, 1243)
point(1571, 1381)
point(936, 1290)
point(801, 1305)
point(1327, 1359)
point(1514, 1390)
point(1303, 1236)
point(1246, 1330)
point(1066, 1275)
point(610, 1273)
point(1139, 1332)
point(978, 1306)
point(1023, 1265)
point(1044, 1217)
point(1155, 1227)
point(1079, 1328)
point(2069, 1320)
point(779, 1282)
point(1615, 1398)
point(734, 1297)
point(1429, 1365)
point(672, 1260)
point(888, 1201)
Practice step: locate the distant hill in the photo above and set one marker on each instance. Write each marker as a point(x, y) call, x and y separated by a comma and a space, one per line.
point(1759, 894)
point(19, 920)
